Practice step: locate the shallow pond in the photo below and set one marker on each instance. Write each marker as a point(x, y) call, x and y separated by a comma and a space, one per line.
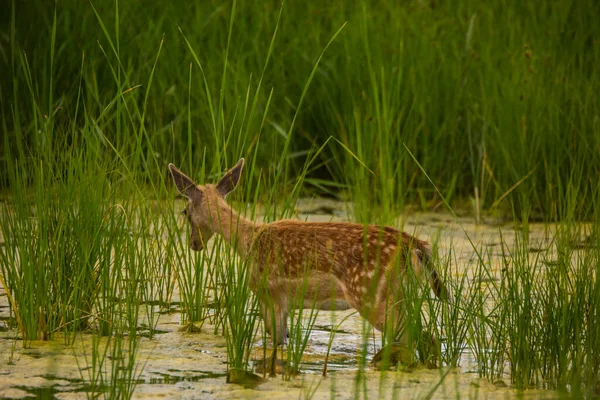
point(177, 364)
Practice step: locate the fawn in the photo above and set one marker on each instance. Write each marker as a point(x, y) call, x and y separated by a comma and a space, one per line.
point(363, 265)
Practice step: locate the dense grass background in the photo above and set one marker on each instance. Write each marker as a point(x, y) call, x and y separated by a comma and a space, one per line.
point(493, 98)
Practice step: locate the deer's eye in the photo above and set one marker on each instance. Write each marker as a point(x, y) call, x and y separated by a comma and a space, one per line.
point(184, 212)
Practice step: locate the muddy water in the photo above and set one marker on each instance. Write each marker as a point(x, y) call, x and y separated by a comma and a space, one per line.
point(193, 365)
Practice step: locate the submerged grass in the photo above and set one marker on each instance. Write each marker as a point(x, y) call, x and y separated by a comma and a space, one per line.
point(324, 99)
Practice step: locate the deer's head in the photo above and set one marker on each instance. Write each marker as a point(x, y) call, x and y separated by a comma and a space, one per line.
point(203, 206)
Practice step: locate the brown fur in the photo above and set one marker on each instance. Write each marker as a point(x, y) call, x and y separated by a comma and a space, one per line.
point(329, 261)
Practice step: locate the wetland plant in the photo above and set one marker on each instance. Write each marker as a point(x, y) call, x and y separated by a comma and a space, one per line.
point(59, 240)
point(196, 281)
point(303, 312)
point(551, 300)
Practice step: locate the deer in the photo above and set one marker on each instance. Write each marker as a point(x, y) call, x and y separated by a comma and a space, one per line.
point(363, 266)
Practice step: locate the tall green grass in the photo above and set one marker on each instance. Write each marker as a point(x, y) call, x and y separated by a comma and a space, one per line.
point(539, 316)
point(497, 100)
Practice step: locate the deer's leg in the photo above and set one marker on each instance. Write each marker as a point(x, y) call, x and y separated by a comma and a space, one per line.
point(275, 315)
point(390, 319)
point(281, 331)
point(275, 318)
point(268, 317)
point(405, 340)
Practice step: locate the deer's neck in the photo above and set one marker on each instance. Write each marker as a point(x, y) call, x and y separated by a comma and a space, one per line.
point(235, 229)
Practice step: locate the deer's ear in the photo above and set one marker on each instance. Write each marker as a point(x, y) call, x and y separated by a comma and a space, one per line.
point(230, 180)
point(184, 184)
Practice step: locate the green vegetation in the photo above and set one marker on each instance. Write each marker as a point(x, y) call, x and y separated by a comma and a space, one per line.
point(490, 96)
point(495, 101)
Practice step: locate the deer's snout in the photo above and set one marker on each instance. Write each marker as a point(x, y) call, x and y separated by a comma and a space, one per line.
point(198, 238)
point(196, 245)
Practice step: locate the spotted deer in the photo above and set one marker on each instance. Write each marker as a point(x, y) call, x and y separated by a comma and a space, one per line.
point(331, 261)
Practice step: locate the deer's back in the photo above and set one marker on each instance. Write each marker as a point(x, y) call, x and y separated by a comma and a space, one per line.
point(291, 248)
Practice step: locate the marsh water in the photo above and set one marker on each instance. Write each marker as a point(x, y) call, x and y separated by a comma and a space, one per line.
point(179, 364)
